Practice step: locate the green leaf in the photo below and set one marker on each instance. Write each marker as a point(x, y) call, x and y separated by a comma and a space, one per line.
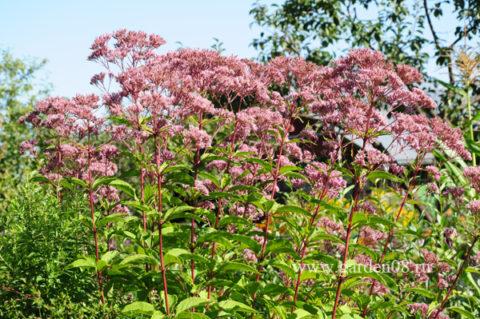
point(296, 175)
point(325, 236)
point(359, 218)
point(266, 165)
point(218, 236)
point(176, 168)
point(286, 268)
point(231, 219)
point(196, 258)
point(139, 259)
point(286, 169)
point(137, 205)
point(157, 315)
point(191, 315)
point(42, 179)
point(475, 118)
point(452, 88)
point(171, 259)
point(123, 186)
point(101, 264)
point(175, 212)
point(362, 271)
point(463, 312)
point(139, 307)
point(375, 175)
point(83, 262)
point(110, 219)
point(119, 120)
point(77, 181)
point(235, 305)
point(423, 292)
point(280, 246)
point(210, 177)
point(473, 270)
point(104, 180)
point(237, 266)
point(293, 209)
point(327, 259)
point(109, 255)
point(226, 180)
point(457, 172)
point(374, 220)
point(251, 243)
point(190, 303)
point(471, 145)
point(366, 251)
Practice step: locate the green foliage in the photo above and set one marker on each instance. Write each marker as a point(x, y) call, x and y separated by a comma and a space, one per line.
point(18, 94)
point(316, 29)
point(39, 239)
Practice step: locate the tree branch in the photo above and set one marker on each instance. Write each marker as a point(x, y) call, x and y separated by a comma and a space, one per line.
point(437, 42)
point(460, 37)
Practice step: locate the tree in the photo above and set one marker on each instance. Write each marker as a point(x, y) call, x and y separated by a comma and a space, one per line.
point(405, 31)
point(18, 94)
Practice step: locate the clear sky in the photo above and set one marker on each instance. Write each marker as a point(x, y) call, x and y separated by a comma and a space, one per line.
point(63, 30)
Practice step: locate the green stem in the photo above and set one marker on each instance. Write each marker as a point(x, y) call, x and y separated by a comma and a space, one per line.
point(469, 107)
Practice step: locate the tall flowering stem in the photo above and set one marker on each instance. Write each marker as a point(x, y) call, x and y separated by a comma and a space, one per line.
point(160, 223)
point(305, 242)
point(454, 283)
point(275, 179)
point(397, 217)
point(347, 241)
point(472, 136)
point(192, 227)
point(220, 202)
point(59, 193)
point(94, 228)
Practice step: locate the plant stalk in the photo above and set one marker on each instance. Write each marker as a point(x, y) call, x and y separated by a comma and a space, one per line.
point(390, 236)
point(160, 238)
point(465, 261)
point(274, 186)
point(90, 195)
point(347, 242)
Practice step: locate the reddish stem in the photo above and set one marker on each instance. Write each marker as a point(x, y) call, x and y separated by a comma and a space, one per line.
point(457, 276)
point(305, 242)
point(347, 242)
point(192, 230)
point(274, 186)
point(160, 239)
point(213, 247)
point(59, 194)
point(90, 193)
point(142, 198)
point(219, 209)
point(390, 236)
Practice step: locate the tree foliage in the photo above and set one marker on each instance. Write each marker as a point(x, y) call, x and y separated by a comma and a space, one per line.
point(18, 94)
point(403, 30)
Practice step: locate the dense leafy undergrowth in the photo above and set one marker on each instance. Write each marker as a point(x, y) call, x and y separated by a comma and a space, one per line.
point(203, 186)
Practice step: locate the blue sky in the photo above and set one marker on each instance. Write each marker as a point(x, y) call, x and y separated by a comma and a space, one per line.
point(62, 31)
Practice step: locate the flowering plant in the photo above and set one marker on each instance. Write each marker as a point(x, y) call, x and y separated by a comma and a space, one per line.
point(224, 188)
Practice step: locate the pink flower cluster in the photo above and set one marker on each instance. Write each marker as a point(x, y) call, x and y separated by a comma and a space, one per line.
point(422, 308)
